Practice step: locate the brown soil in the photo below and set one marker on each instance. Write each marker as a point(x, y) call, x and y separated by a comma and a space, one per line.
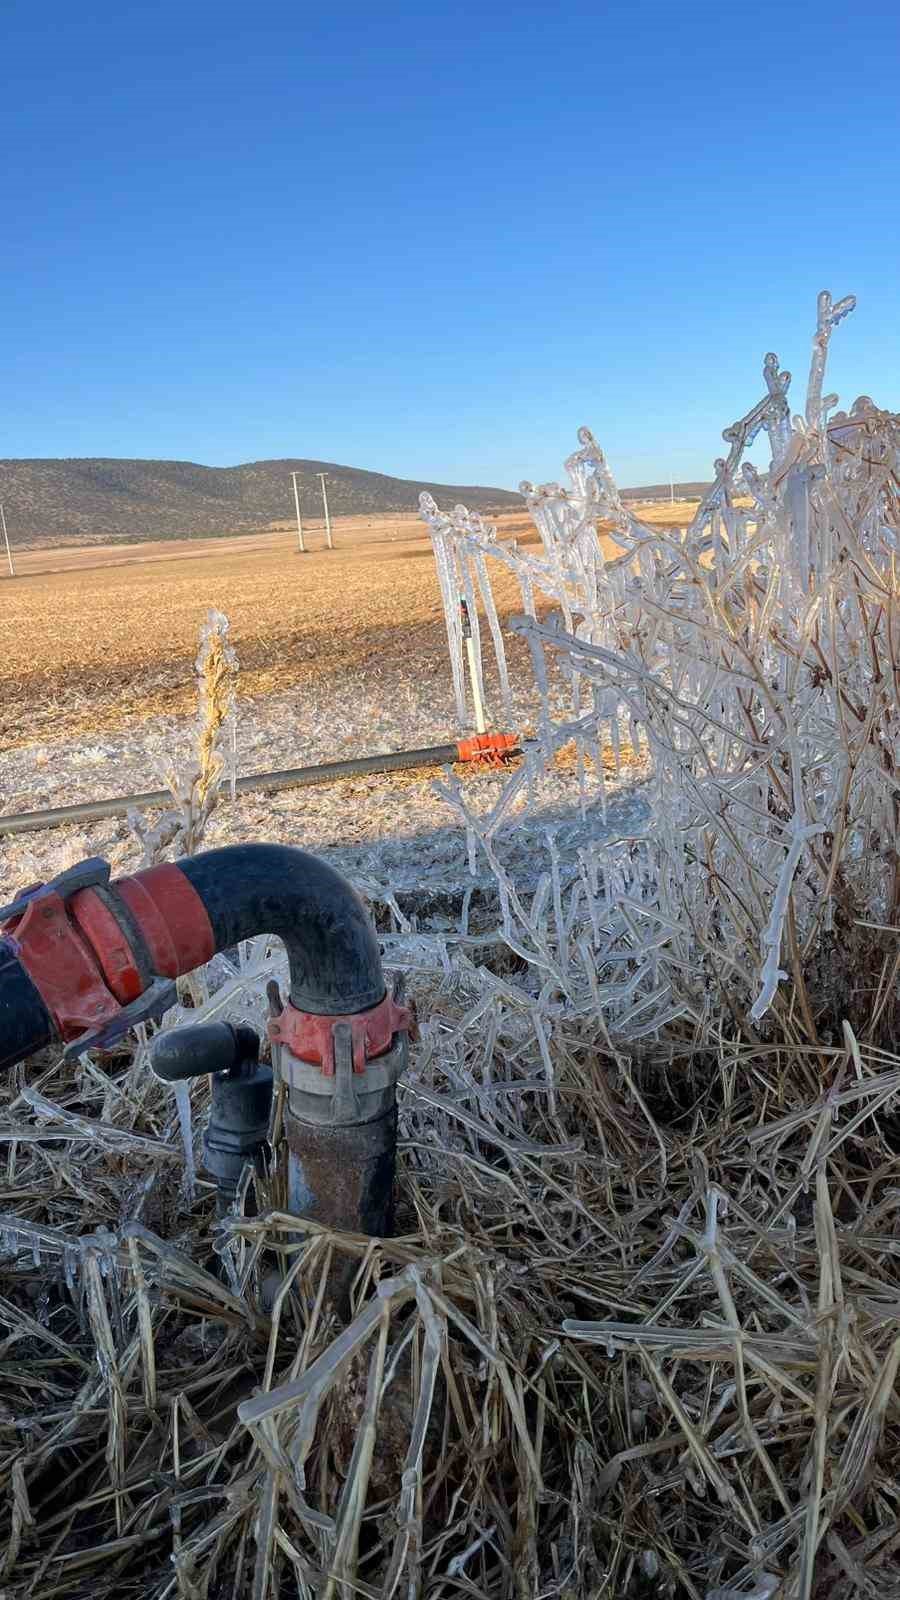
point(104, 636)
point(108, 638)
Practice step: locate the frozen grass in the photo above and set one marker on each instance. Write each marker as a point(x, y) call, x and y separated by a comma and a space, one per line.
point(639, 1332)
point(756, 657)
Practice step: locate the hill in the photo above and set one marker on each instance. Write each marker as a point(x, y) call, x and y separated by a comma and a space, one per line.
point(662, 491)
point(92, 500)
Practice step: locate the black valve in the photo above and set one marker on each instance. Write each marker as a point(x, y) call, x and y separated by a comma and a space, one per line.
point(238, 1127)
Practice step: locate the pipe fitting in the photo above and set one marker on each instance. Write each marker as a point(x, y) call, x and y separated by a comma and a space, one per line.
point(84, 959)
point(238, 1127)
point(340, 1115)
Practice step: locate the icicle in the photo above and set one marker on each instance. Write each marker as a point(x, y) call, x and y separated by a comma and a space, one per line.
point(182, 1091)
point(557, 892)
point(71, 1266)
point(771, 974)
point(829, 315)
point(468, 594)
point(446, 564)
point(472, 849)
point(490, 610)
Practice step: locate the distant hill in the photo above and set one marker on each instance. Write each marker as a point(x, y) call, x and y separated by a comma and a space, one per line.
point(96, 500)
point(663, 491)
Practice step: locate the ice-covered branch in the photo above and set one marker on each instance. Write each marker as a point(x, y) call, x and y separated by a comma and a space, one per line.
point(752, 658)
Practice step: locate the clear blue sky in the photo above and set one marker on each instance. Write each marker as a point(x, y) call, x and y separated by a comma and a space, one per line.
point(433, 239)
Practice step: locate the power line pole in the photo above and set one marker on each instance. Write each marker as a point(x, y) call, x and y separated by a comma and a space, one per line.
point(672, 487)
point(321, 478)
point(299, 518)
point(12, 570)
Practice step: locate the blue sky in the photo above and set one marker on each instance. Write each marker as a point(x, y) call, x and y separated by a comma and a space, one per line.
point(434, 239)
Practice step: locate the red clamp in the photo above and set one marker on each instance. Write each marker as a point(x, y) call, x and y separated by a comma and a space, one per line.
point(492, 749)
point(309, 1036)
point(80, 960)
point(61, 967)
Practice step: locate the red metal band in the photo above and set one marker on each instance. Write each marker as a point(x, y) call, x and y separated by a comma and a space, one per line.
point(62, 968)
point(309, 1037)
point(171, 917)
point(108, 943)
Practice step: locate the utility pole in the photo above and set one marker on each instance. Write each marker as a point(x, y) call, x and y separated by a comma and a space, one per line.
point(12, 570)
point(672, 487)
point(321, 478)
point(299, 518)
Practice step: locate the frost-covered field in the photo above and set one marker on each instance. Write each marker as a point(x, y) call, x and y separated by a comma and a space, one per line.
point(380, 828)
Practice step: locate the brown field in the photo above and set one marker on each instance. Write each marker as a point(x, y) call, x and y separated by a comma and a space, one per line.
point(100, 637)
point(103, 637)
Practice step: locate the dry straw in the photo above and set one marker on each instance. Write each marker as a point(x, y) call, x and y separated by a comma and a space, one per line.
point(196, 785)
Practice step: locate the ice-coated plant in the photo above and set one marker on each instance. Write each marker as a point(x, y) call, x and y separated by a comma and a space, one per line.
point(755, 657)
point(195, 784)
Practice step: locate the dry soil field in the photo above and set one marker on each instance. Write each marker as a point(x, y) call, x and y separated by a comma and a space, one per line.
point(101, 638)
point(341, 653)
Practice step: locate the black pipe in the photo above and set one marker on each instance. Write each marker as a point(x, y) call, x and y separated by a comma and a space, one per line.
point(205, 1047)
point(238, 1126)
point(331, 944)
point(25, 1023)
point(288, 778)
point(340, 1133)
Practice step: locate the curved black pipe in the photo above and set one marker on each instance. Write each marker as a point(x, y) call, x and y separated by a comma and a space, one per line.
point(25, 1024)
point(245, 889)
point(332, 947)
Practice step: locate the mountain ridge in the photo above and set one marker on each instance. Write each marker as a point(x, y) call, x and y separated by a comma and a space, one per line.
point(119, 499)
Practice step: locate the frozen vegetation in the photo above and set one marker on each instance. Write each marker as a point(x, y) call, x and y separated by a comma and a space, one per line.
point(638, 1335)
point(755, 658)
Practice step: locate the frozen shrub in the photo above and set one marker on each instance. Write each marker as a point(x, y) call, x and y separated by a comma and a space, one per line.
point(755, 654)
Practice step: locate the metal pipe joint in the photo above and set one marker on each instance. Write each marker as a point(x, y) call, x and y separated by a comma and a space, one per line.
point(340, 1115)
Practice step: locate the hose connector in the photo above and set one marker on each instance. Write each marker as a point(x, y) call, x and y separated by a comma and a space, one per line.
point(340, 1117)
point(238, 1128)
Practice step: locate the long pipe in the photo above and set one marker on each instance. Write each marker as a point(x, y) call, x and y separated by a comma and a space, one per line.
point(290, 778)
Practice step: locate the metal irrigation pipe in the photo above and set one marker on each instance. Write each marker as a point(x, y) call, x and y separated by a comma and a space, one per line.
point(490, 748)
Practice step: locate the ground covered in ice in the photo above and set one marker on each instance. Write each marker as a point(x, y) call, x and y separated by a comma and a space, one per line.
point(386, 831)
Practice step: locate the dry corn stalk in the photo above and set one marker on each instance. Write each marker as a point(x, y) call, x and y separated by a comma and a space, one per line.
point(195, 788)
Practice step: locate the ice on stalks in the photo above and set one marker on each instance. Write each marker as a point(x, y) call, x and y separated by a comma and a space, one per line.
point(195, 783)
point(448, 579)
point(715, 649)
